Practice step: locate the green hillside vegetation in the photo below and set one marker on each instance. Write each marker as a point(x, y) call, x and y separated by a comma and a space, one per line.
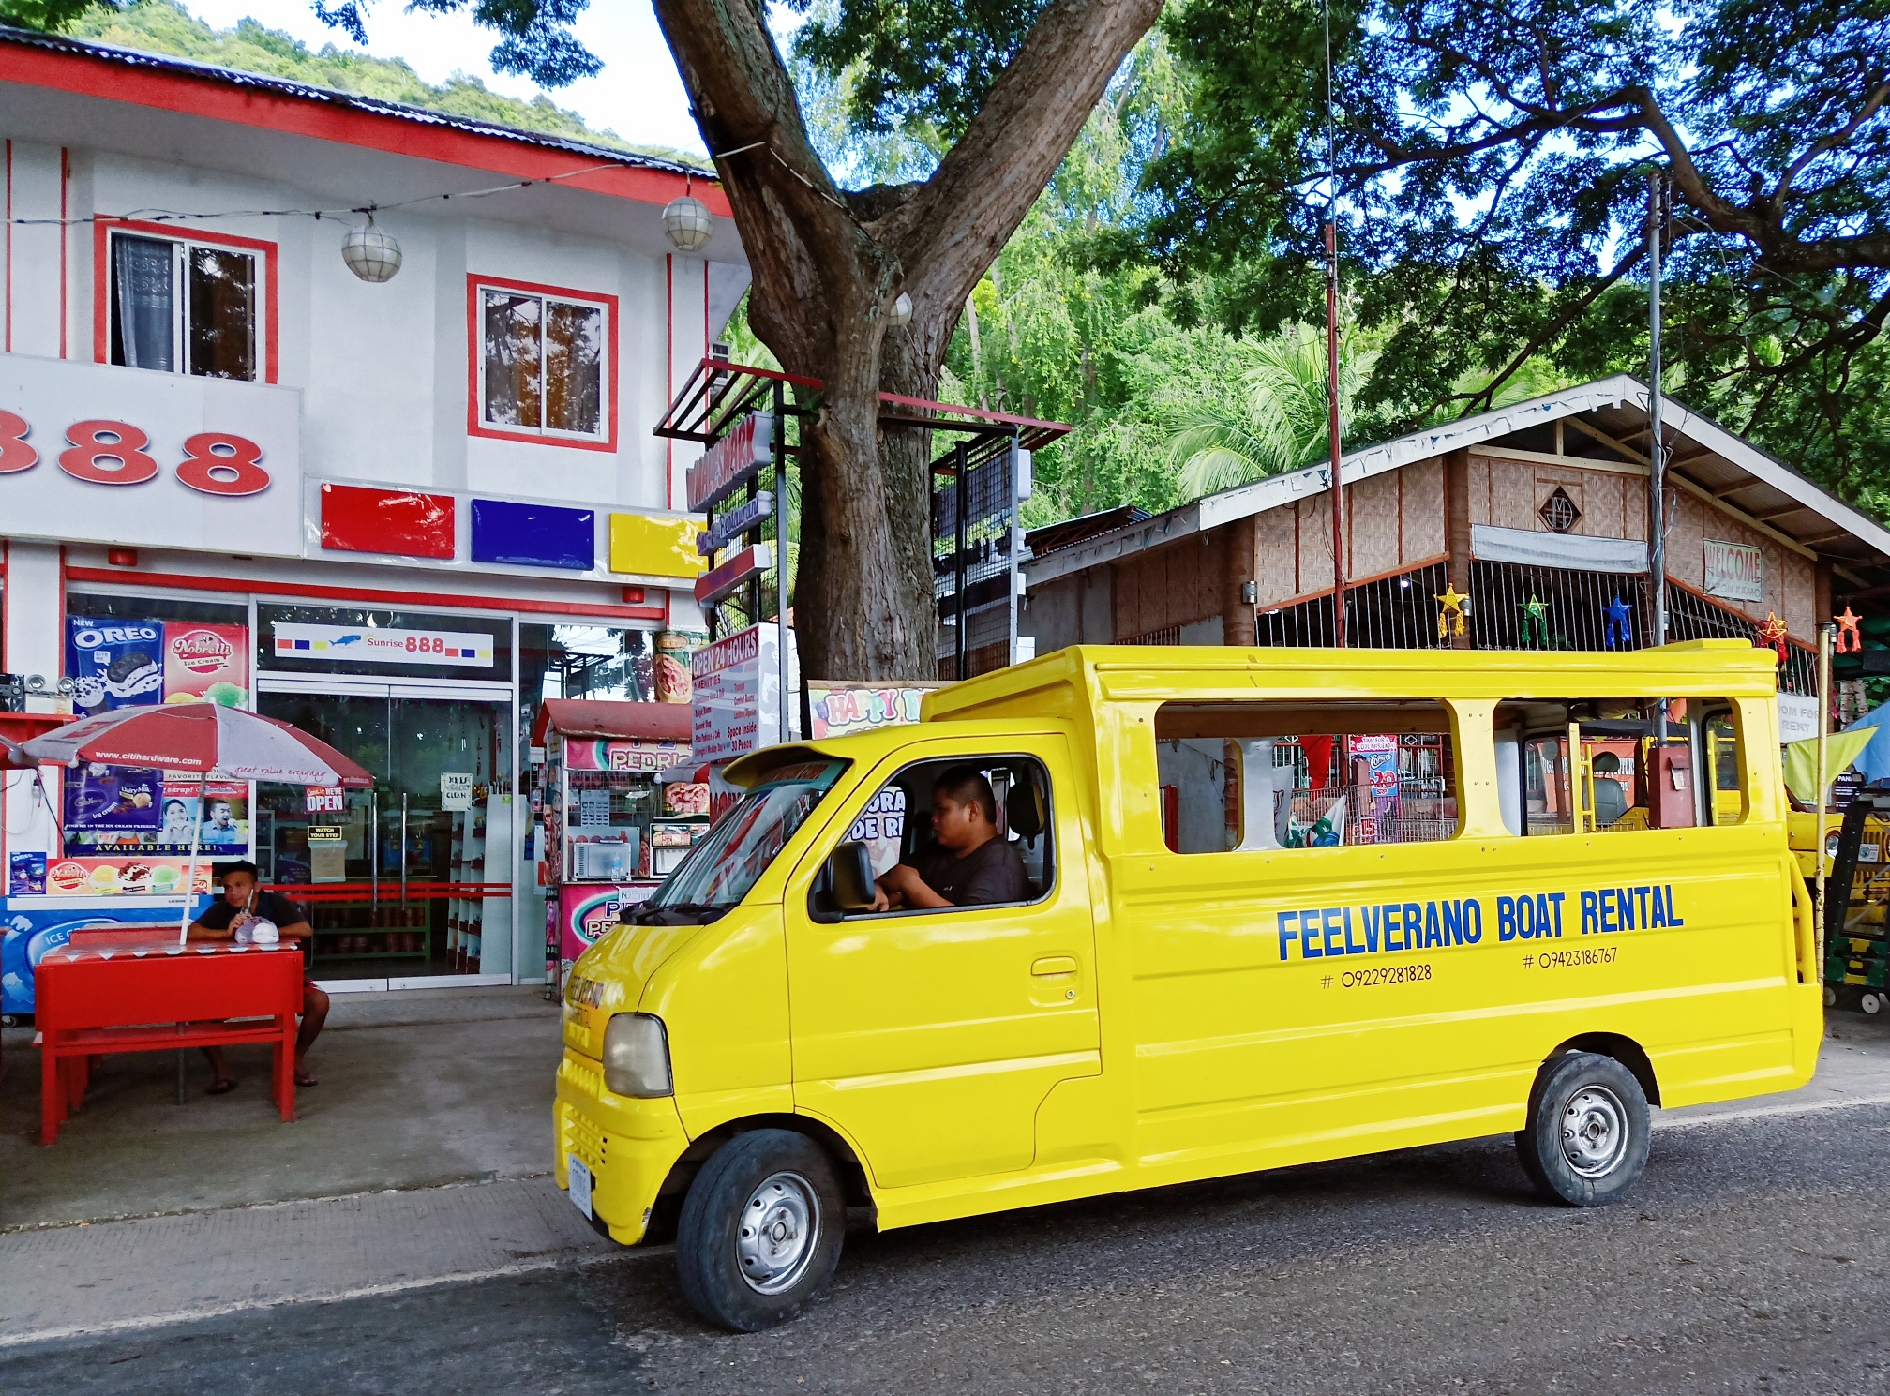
point(159, 26)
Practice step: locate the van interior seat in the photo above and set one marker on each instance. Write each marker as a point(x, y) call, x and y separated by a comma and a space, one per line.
point(1024, 814)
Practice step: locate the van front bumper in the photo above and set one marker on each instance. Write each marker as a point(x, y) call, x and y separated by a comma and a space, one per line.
point(629, 1145)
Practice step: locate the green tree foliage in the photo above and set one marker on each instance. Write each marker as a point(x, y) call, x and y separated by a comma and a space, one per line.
point(161, 26)
point(1491, 162)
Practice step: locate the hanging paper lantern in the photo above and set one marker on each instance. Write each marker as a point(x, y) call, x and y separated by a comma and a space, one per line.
point(1616, 630)
point(1847, 630)
point(1772, 635)
point(1454, 605)
point(688, 223)
point(1535, 612)
point(370, 253)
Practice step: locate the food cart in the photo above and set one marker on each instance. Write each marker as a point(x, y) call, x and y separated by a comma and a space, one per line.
point(619, 808)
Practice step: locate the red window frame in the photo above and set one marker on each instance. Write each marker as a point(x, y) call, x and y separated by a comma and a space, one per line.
point(475, 352)
point(171, 232)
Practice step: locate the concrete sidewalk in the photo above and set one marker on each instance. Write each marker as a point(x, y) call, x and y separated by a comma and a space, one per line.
point(418, 1089)
point(57, 1281)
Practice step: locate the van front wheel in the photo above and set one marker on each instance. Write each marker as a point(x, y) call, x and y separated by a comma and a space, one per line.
point(1586, 1140)
point(760, 1230)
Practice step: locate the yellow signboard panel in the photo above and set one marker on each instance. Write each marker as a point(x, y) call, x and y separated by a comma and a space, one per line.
point(651, 546)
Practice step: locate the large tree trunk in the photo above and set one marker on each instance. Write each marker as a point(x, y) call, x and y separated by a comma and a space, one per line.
point(827, 266)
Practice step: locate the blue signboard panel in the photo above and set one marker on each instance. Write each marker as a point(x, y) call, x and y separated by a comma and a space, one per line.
point(535, 535)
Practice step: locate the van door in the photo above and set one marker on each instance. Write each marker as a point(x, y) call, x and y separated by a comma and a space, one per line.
point(930, 1037)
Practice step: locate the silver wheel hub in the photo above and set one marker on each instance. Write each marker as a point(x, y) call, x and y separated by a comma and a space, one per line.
point(774, 1239)
point(1594, 1131)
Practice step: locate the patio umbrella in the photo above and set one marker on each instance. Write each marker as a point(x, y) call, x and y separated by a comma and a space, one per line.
point(207, 739)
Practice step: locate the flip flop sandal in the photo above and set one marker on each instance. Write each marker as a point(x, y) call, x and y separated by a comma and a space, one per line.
point(223, 1087)
point(304, 1080)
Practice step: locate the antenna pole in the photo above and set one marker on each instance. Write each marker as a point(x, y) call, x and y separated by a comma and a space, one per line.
point(1332, 432)
point(1656, 450)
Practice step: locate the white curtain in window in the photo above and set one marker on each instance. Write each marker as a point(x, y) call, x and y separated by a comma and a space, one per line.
point(142, 271)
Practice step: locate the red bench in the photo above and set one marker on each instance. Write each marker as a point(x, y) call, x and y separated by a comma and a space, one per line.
point(95, 998)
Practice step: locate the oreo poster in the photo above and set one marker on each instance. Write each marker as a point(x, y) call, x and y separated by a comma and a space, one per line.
point(114, 663)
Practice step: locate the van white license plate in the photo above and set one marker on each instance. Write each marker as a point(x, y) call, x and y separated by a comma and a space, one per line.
point(580, 1184)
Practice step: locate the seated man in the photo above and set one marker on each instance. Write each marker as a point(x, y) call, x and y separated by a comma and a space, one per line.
point(242, 903)
point(968, 864)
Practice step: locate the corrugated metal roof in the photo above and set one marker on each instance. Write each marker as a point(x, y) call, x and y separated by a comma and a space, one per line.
point(334, 97)
point(1771, 495)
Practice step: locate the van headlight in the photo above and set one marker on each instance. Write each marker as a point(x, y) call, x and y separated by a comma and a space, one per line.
point(636, 1056)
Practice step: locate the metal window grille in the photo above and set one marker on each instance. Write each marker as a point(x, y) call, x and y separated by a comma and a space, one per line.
point(976, 547)
point(1391, 613)
point(1691, 617)
point(1518, 607)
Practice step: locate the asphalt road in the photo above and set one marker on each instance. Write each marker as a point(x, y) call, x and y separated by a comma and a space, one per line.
point(1754, 1257)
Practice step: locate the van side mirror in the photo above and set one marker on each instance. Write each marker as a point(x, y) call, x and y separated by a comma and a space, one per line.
point(845, 883)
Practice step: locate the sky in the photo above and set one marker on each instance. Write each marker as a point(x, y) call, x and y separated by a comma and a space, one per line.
point(638, 95)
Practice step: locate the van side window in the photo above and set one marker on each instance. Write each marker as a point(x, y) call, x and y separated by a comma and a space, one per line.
point(1618, 765)
point(974, 830)
point(1303, 773)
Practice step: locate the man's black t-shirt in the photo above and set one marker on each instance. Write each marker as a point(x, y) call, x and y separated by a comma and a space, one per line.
point(271, 906)
point(991, 873)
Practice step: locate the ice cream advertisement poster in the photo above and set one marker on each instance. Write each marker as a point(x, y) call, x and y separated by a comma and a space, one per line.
point(119, 663)
point(114, 877)
point(206, 663)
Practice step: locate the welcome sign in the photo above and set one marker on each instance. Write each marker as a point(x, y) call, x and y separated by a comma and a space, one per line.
point(1734, 571)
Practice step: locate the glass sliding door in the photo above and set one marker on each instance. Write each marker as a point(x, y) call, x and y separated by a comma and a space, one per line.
point(401, 880)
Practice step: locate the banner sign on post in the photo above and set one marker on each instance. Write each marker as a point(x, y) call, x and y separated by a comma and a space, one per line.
point(737, 685)
point(749, 514)
point(1734, 571)
point(711, 587)
point(732, 462)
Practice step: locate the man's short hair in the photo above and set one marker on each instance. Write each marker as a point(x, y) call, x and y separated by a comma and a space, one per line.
point(223, 870)
point(966, 785)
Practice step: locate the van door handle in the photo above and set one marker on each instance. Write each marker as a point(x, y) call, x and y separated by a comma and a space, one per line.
point(1053, 964)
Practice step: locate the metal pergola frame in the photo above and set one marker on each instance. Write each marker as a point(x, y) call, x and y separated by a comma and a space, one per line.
point(719, 393)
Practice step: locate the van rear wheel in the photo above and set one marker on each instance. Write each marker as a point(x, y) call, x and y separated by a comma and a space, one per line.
point(760, 1230)
point(1586, 1139)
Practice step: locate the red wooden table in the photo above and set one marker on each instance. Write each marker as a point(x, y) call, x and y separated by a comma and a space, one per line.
point(137, 992)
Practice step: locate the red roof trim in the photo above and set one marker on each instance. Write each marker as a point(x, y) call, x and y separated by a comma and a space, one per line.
point(192, 95)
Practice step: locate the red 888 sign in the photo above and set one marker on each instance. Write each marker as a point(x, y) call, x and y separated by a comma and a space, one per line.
point(102, 451)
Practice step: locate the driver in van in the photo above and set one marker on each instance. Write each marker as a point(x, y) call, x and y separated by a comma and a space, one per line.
point(968, 863)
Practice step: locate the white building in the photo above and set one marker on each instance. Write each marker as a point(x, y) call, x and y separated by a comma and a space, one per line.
point(213, 425)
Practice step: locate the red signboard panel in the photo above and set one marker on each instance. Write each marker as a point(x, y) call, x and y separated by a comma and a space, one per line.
point(364, 520)
point(711, 587)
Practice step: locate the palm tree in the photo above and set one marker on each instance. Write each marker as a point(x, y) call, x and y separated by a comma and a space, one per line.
point(1274, 419)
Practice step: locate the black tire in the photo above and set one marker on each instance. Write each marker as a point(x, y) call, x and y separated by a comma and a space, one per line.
point(731, 1273)
point(1586, 1140)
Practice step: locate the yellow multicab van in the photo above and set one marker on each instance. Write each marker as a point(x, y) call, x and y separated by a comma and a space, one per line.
point(1279, 906)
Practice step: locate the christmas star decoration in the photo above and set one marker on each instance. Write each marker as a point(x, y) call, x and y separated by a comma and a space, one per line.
point(1772, 635)
point(1452, 614)
point(1616, 630)
point(1536, 611)
point(1847, 630)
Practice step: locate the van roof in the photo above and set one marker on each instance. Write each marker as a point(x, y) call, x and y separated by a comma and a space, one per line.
point(1072, 681)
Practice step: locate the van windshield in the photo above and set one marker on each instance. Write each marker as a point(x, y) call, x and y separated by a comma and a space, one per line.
point(719, 871)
